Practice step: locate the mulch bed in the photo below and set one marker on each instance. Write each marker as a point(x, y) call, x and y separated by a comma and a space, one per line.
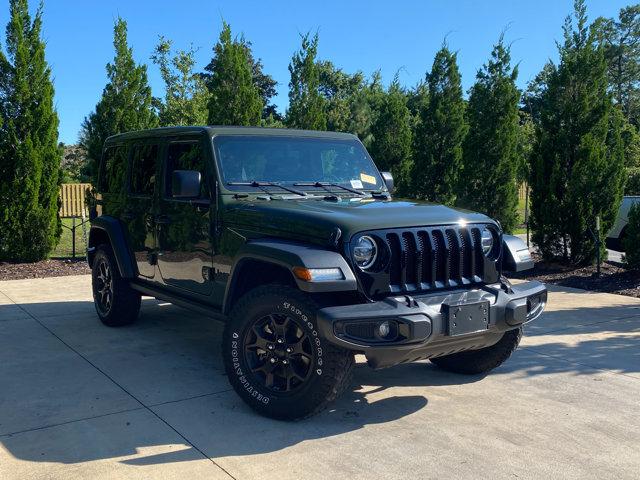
point(45, 268)
point(613, 278)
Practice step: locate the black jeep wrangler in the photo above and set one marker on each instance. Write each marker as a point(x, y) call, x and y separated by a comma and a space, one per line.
point(293, 240)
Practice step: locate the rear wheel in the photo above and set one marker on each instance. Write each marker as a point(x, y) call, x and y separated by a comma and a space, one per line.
point(275, 358)
point(482, 360)
point(116, 303)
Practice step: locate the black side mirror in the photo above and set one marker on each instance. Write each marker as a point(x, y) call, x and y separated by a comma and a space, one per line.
point(185, 184)
point(388, 181)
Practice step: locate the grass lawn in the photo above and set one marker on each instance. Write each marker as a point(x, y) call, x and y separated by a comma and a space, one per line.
point(64, 248)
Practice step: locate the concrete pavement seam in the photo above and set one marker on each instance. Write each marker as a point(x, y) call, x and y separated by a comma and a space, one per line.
point(121, 387)
point(189, 398)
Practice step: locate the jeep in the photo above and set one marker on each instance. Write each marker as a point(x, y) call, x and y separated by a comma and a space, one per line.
point(293, 240)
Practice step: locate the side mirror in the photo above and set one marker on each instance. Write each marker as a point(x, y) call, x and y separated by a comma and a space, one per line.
point(185, 184)
point(516, 254)
point(388, 181)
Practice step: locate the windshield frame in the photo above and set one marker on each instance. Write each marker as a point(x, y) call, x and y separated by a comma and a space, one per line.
point(313, 190)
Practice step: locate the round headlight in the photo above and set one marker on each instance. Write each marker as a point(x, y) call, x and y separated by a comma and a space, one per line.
point(486, 239)
point(365, 252)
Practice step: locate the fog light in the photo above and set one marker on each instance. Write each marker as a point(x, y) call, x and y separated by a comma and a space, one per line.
point(384, 329)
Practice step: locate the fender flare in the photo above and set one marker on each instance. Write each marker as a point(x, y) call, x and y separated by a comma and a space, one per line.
point(288, 255)
point(114, 231)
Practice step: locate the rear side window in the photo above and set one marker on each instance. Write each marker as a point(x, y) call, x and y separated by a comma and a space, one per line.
point(187, 156)
point(114, 169)
point(143, 169)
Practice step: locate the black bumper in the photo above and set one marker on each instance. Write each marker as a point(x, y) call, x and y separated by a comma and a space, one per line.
point(423, 327)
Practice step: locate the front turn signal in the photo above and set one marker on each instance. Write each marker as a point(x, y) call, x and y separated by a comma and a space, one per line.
point(318, 274)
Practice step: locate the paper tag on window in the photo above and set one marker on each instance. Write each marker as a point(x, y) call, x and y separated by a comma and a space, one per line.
point(356, 184)
point(368, 178)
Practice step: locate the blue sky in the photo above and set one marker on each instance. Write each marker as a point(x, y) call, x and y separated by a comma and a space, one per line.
point(355, 35)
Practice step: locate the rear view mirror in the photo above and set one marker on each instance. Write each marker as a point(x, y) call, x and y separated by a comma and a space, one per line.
point(388, 181)
point(185, 184)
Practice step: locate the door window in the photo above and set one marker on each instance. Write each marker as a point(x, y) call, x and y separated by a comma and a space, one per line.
point(114, 167)
point(187, 156)
point(143, 169)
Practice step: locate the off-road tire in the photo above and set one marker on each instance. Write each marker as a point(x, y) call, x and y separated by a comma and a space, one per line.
point(331, 367)
point(125, 302)
point(483, 360)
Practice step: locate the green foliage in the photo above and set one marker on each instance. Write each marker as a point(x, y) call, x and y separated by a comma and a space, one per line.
point(74, 164)
point(306, 104)
point(631, 143)
point(234, 97)
point(632, 186)
point(632, 238)
point(577, 162)
point(29, 155)
point(441, 129)
point(186, 95)
point(391, 131)
point(526, 138)
point(620, 39)
point(126, 102)
point(490, 160)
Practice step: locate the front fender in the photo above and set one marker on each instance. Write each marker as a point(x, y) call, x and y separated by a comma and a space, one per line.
point(294, 254)
point(111, 228)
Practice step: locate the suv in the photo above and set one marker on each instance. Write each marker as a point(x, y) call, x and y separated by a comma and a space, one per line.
point(615, 237)
point(293, 240)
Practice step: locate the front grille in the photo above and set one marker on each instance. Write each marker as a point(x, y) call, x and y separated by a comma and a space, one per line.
point(428, 258)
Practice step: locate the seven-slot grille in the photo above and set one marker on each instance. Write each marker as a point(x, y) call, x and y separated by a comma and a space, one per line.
point(434, 257)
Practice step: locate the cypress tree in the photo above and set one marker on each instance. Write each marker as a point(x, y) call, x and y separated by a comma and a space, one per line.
point(126, 102)
point(440, 131)
point(490, 157)
point(307, 108)
point(29, 155)
point(391, 145)
point(234, 97)
point(578, 158)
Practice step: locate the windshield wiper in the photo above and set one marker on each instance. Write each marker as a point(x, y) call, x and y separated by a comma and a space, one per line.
point(261, 185)
point(327, 184)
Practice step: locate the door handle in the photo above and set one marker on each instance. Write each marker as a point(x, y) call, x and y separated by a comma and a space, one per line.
point(163, 220)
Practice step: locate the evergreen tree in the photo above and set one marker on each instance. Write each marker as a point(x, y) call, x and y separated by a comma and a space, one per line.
point(265, 84)
point(490, 159)
point(440, 131)
point(186, 95)
point(621, 41)
point(29, 155)
point(577, 161)
point(126, 102)
point(307, 108)
point(234, 98)
point(391, 145)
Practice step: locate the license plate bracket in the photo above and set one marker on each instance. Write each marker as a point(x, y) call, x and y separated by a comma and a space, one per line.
point(463, 318)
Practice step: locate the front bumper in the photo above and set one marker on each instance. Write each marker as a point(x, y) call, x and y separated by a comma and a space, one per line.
point(420, 326)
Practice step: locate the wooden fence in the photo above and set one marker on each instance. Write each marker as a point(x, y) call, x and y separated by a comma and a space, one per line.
point(73, 196)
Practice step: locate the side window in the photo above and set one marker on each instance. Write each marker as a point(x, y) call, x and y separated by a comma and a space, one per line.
point(187, 156)
point(114, 168)
point(143, 169)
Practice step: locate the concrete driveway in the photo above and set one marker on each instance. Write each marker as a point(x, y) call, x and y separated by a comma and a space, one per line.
point(79, 400)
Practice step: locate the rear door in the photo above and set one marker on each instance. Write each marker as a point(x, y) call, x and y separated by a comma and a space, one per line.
point(184, 227)
point(140, 209)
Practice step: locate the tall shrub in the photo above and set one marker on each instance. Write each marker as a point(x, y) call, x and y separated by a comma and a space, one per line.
point(29, 155)
point(490, 159)
point(577, 169)
point(441, 129)
point(126, 102)
point(631, 241)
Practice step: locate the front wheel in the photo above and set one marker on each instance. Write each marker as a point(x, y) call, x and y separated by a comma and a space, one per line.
point(116, 303)
point(275, 358)
point(484, 359)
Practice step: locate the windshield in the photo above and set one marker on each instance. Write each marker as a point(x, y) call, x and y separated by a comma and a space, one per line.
point(295, 160)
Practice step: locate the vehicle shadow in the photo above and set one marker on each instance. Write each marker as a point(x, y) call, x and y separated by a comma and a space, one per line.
point(176, 354)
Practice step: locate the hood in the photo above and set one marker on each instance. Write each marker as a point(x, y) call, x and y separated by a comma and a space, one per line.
point(319, 218)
